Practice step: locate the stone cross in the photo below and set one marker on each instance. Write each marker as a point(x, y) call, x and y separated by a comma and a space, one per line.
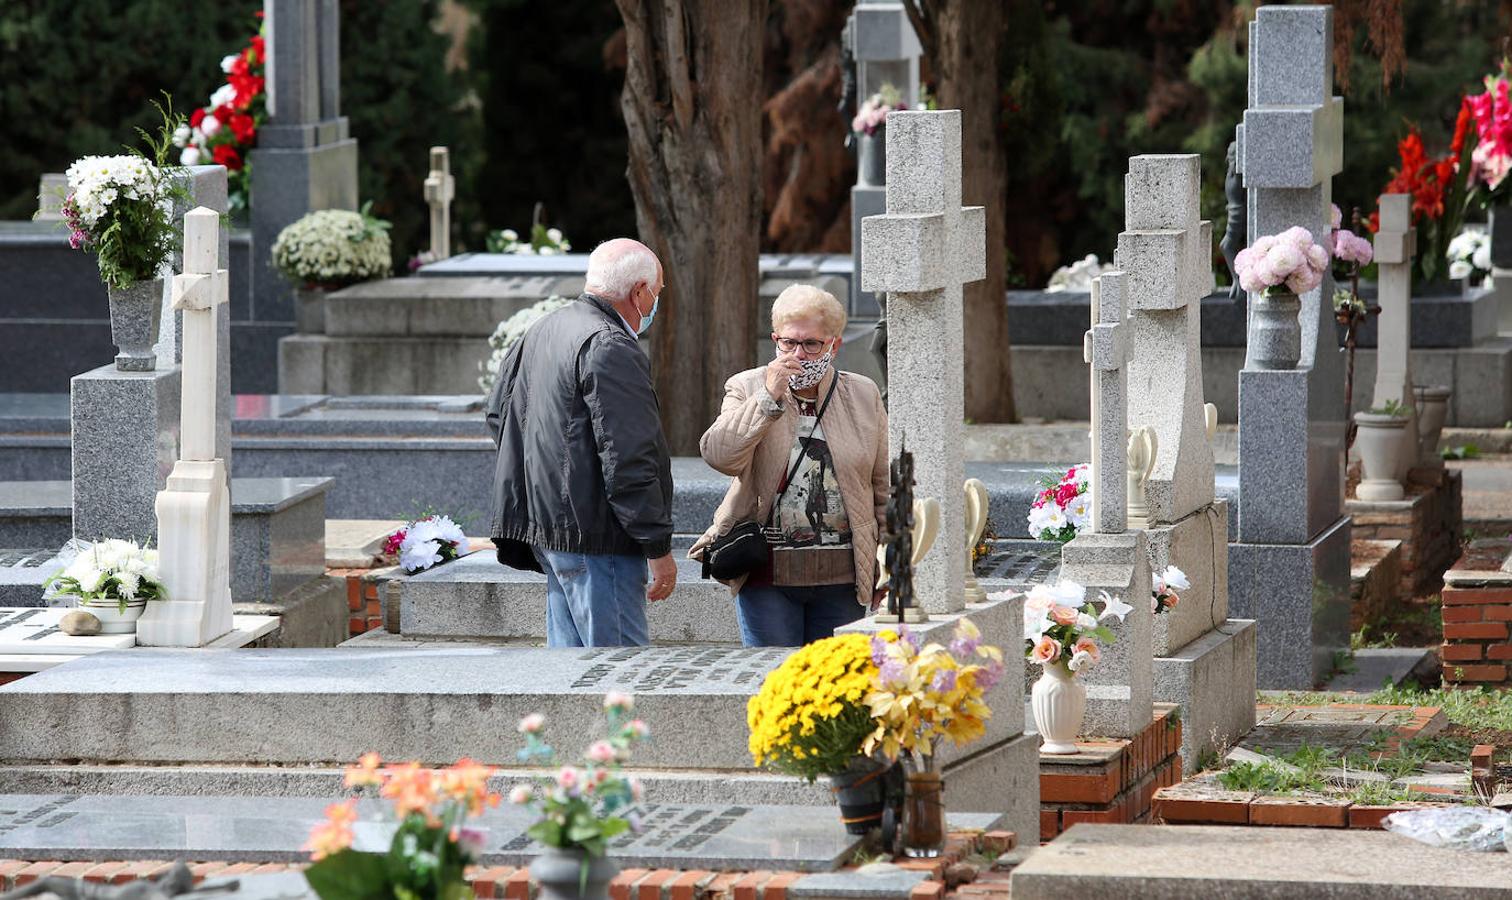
point(921, 253)
point(440, 188)
point(1104, 349)
point(194, 511)
point(1395, 246)
point(1166, 250)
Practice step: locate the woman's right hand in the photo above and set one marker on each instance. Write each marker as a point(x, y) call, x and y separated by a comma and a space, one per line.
point(777, 373)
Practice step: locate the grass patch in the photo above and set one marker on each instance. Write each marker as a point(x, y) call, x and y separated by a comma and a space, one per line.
point(1477, 709)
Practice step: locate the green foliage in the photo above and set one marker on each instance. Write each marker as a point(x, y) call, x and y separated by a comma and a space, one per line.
point(1476, 709)
point(422, 862)
point(1393, 408)
point(1465, 451)
point(576, 815)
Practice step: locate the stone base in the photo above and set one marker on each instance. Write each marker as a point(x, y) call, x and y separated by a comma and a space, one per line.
point(1000, 779)
point(476, 597)
point(1093, 862)
point(125, 442)
point(1110, 781)
point(277, 533)
point(1212, 681)
point(1196, 546)
point(1429, 522)
point(312, 615)
point(1300, 596)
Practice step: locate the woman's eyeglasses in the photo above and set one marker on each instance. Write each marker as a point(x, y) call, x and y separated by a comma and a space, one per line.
point(788, 345)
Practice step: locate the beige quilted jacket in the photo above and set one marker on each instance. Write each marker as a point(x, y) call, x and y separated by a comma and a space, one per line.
point(754, 449)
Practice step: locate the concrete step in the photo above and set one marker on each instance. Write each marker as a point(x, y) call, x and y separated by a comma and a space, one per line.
point(1377, 667)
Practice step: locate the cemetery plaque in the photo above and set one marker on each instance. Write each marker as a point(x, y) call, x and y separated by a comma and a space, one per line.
point(34, 630)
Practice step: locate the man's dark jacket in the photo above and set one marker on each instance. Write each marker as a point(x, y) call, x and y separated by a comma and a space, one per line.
point(582, 464)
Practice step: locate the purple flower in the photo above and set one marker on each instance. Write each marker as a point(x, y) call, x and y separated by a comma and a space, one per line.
point(891, 673)
point(989, 675)
point(878, 652)
point(964, 646)
point(909, 638)
point(635, 821)
point(944, 681)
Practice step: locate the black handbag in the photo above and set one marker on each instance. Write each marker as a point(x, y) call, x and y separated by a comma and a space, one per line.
point(748, 546)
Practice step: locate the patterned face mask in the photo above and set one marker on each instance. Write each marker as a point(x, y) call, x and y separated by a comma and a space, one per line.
point(813, 371)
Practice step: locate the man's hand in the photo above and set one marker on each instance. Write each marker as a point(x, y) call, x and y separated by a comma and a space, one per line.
point(663, 578)
point(777, 372)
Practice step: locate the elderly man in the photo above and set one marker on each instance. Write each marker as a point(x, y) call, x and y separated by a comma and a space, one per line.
point(583, 481)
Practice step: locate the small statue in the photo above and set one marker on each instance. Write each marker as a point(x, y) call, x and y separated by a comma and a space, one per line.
point(1237, 211)
point(178, 882)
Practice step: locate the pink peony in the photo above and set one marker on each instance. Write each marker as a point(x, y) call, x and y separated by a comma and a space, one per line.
point(1335, 215)
point(601, 752)
point(532, 724)
point(1350, 247)
point(567, 778)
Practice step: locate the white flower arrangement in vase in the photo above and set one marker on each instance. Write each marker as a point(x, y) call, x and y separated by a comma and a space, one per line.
point(333, 248)
point(1469, 255)
point(543, 241)
point(1061, 633)
point(114, 579)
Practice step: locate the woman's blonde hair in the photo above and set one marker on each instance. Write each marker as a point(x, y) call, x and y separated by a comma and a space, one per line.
point(804, 301)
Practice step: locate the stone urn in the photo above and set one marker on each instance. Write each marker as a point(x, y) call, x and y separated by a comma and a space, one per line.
point(1432, 402)
point(1381, 441)
point(871, 157)
point(115, 619)
point(136, 315)
point(1059, 702)
point(1501, 238)
point(572, 874)
point(1275, 330)
point(309, 309)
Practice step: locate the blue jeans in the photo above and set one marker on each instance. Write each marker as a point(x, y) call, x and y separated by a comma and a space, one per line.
point(772, 616)
point(594, 600)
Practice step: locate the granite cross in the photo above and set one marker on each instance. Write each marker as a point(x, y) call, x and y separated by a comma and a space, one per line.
point(1105, 351)
point(1395, 245)
point(921, 252)
point(1166, 249)
point(194, 511)
point(440, 189)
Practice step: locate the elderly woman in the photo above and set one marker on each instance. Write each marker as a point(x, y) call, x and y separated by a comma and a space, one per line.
point(807, 447)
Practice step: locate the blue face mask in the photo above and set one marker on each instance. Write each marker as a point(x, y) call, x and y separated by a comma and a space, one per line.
point(645, 321)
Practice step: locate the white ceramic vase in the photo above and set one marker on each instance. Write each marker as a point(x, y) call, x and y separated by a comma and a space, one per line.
point(1381, 446)
point(112, 619)
point(1432, 402)
point(1059, 702)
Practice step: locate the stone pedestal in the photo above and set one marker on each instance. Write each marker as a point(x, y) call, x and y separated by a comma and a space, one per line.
point(1195, 544)
point(125, 442)
point(1119, 687)
point(1212, 679)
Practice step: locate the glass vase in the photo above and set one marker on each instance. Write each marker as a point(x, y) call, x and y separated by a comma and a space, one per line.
point(923, 815)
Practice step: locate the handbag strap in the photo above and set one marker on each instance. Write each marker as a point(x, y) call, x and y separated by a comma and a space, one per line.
point(803, 451)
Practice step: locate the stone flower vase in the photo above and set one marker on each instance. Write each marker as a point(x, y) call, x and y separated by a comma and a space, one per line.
point(924, 815)
point(558, 872)
point(112, 619)
point(1059, 702)
point(1381, 445)
point(309, 309)
point(136, 312)
point(1275, 330)
point(861, 793)
point(872, 157)
point(1432, 402)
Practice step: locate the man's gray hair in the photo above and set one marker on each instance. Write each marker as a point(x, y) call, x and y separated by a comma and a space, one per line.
point(616, 267)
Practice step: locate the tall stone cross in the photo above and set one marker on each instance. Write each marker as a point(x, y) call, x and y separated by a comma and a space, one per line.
point(440, 188)
point(1395, 246)
point(1112, 557)
point(1105, 350)
point(194, 511)
point(1166, 249)
point(921, 252)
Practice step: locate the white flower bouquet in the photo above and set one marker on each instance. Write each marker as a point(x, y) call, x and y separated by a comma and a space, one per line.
point(118, 208)
point(543, 242)
point(1469, 255)
point(509, 331)
point(333, 248)
point(426, 542)
point(109, 570)
point(1077, 276)
point(1063, 508)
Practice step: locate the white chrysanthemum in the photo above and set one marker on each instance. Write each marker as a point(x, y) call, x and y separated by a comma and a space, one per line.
point(510, 331)
point(223, 95)
point(1069, 593)
point(448, 531)
point(417, 555)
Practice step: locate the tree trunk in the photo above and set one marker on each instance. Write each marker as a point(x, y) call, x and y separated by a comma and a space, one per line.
point(963, 40)
point(692, 106)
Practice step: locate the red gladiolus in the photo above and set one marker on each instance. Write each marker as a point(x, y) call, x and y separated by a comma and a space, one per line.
point(226, 155)
point(258, 47)
point(196, 117)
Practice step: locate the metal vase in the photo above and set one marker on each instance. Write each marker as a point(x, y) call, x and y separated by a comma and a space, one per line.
point(1432, 404)
point(861, 793)
point(872, 161)
point(136, 312)
point(1275, 331)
